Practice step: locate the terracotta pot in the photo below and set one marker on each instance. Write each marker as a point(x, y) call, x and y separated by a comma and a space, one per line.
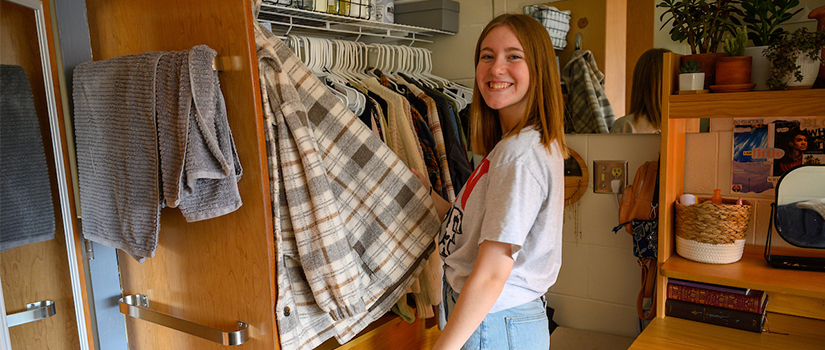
point(733, 70)
point(707, 65)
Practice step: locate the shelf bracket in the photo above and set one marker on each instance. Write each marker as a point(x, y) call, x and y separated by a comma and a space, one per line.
point(34, 312)
point(137, 306)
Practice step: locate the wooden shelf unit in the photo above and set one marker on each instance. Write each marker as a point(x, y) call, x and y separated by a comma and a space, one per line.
point(795, 296)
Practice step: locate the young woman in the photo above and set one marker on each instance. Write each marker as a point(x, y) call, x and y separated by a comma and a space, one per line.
point(646, 97)
point(501, 238)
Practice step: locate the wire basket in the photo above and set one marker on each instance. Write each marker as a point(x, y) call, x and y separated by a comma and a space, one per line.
point(556, 22)
point(712, 233)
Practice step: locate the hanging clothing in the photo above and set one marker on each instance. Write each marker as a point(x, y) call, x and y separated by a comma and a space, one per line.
point(336, 189)
point(456, 154)
point(590, 108)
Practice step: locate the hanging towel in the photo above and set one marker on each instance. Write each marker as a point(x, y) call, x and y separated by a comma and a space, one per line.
point(211, 167)
point(25, 190)
point(353, 225)
point(117, 152)
point(590, 108)
point(152, 131)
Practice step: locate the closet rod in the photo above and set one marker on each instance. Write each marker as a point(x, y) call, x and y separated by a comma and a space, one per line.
point(137, 306)
point(34, 312)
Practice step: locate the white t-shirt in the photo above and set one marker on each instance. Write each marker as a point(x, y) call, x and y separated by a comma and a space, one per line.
point(516, 196)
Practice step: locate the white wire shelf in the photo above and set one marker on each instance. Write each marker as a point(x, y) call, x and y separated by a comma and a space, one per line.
point(296, 19)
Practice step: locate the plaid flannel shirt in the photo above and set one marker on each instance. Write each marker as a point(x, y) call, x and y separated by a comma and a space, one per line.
point(353, 226)
point(585, 84)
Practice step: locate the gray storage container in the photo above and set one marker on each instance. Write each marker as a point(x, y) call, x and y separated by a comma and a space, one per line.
point(434, 14)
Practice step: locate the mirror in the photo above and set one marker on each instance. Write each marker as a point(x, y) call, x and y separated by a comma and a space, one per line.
point(798, 216)
point(42, 301)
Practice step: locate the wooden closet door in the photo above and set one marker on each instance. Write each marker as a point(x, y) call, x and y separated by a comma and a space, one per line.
point(219, 271)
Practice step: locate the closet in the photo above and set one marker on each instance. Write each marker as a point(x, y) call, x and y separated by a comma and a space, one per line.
point(216, 272)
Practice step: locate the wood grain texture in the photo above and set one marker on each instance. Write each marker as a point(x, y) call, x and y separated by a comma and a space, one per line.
point(677, 334)
point(219, 271)
point(38, 271)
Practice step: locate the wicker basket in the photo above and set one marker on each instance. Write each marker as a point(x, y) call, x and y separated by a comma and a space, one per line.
point(711, 233)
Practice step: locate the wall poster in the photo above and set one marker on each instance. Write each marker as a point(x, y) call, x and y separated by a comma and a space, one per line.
point(766, 148)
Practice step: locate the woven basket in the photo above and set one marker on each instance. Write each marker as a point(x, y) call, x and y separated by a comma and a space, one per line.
point(711, 233)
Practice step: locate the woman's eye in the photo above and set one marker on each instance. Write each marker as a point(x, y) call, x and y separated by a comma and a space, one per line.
point(486, 56)
point(515, 57)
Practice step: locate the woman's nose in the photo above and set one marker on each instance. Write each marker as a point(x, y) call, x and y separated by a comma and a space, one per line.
point(499, 67)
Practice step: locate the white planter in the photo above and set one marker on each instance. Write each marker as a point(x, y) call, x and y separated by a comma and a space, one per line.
point(760, 68)
point(810, 69)
point(691, 81)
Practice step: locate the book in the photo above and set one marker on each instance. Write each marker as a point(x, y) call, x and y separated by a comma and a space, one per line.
point(719, 316)
point(754, 302)
point(710, 286)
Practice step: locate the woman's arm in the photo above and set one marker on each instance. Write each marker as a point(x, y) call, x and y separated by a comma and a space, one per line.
point(480, 292)
point(442, 206)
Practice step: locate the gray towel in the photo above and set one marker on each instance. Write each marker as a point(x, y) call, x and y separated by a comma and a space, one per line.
point(152, 131)
point(25, 190)
point(193, 105)
point(117, 152)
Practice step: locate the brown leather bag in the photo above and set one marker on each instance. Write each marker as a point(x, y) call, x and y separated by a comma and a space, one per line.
point(637, 198)
point(638, 203)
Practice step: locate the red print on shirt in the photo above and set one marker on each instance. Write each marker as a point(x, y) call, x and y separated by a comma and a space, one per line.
point(482, 169)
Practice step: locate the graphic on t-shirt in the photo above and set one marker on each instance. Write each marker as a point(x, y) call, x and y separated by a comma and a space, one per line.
point(455, 216)
point(447, 241)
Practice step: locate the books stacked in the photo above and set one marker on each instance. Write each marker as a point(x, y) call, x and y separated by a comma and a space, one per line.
point(733, 307)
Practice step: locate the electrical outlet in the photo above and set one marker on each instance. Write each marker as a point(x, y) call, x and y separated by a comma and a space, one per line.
point(605, 171)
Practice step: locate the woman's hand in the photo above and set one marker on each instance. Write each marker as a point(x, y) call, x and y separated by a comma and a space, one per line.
point(441, 205)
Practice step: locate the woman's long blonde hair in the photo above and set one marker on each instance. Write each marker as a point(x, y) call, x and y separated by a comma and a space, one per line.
point(544, 111)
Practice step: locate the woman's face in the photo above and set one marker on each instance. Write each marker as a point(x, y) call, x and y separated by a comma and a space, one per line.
point(800, 143)
point(502, 75)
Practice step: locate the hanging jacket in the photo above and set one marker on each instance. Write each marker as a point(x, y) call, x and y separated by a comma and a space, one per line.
point(585, 85)
point(353, 226)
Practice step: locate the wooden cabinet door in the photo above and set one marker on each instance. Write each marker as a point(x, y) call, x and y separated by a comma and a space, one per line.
point(219, 271)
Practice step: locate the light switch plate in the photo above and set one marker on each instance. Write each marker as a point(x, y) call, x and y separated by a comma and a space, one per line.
point(604, 171)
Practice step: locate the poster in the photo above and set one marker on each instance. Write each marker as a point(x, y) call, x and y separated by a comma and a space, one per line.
point(766, 148)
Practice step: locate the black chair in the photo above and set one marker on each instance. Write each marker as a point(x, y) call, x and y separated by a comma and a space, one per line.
point(799, 226)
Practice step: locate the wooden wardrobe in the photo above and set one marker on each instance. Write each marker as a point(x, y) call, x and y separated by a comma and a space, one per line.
point(219, 271)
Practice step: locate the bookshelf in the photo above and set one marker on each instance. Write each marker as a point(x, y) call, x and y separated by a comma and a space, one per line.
point(797, 297)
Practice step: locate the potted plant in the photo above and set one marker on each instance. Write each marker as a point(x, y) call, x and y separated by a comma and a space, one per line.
point(690, 78)
point(794, 59)
point(702, 23)
point(762, 18)
point(733, 72)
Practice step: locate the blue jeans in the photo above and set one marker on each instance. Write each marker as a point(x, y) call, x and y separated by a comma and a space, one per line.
point(524, 327)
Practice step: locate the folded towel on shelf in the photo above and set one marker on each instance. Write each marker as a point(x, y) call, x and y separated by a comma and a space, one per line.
point(25, 189)
point(151, 131)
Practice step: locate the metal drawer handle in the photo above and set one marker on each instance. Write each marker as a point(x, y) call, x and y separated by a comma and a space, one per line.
point(34, 312)
point(137, 306)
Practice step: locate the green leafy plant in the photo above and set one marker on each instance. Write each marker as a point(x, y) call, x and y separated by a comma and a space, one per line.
point(701, 23)
point(690, 66)
point(763, 17)
point(783, 54)
point(735, 44)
